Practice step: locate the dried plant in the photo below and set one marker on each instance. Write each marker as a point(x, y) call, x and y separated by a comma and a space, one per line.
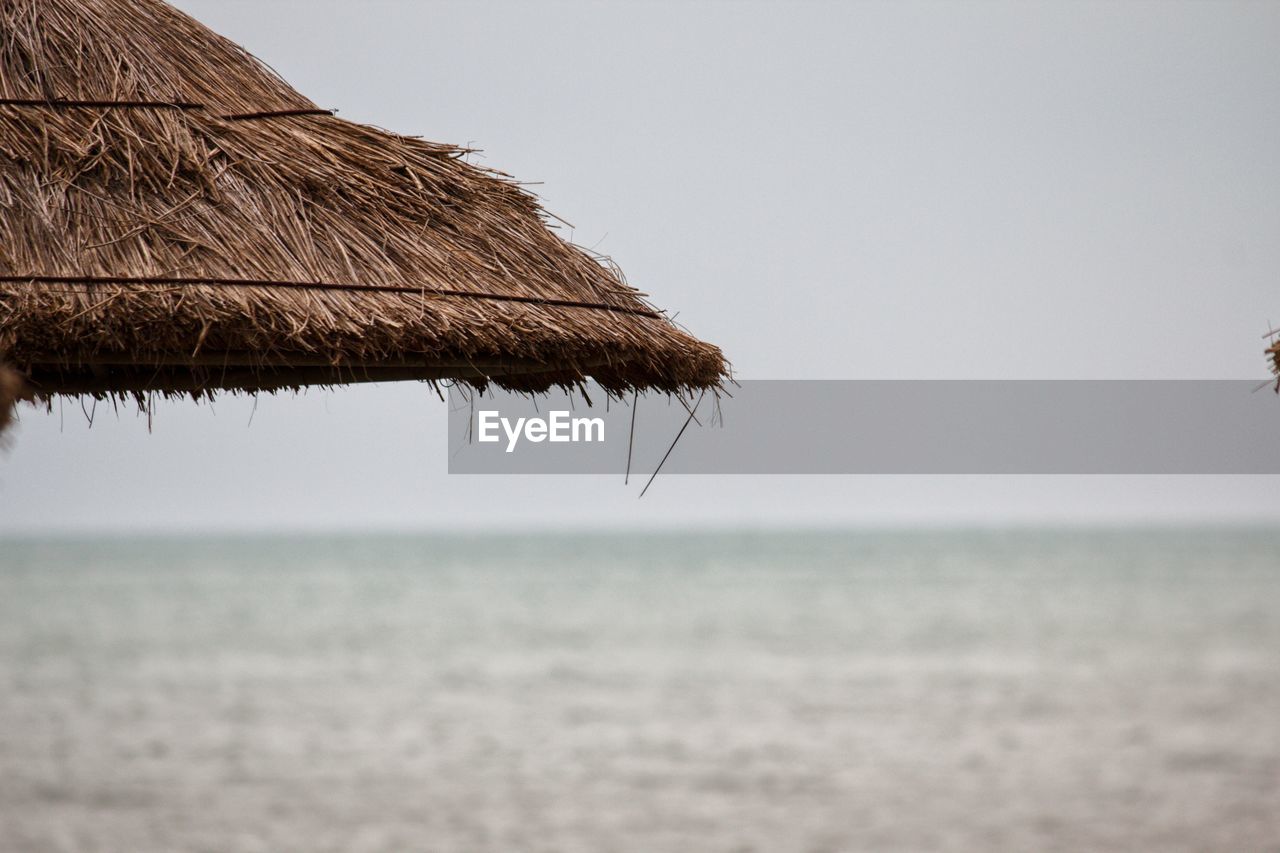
point(174, 218)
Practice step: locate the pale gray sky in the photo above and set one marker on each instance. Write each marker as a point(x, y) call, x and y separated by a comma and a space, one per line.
point(834, 190)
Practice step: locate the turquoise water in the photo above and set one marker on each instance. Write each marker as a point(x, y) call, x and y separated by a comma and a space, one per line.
point(754, 692)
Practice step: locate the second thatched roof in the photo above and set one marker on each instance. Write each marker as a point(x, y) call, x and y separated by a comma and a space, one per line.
point(174, 217)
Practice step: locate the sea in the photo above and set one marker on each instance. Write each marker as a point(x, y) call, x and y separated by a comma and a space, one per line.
point(897, 690)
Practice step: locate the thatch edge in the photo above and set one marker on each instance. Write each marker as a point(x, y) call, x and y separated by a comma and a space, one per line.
point(12, 389)
point(205, 385)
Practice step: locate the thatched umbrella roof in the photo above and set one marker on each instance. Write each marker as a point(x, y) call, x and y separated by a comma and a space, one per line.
point(176, 218)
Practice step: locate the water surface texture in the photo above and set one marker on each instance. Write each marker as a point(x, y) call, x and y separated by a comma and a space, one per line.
point(757, 692)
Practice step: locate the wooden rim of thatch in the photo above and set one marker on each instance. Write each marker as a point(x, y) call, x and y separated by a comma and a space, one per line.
point(176, 218)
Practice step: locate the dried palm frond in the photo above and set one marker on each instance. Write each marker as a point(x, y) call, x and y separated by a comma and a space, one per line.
point(175, 218)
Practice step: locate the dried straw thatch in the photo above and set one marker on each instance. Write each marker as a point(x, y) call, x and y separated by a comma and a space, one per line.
point(12, 390)
point(176, 218)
